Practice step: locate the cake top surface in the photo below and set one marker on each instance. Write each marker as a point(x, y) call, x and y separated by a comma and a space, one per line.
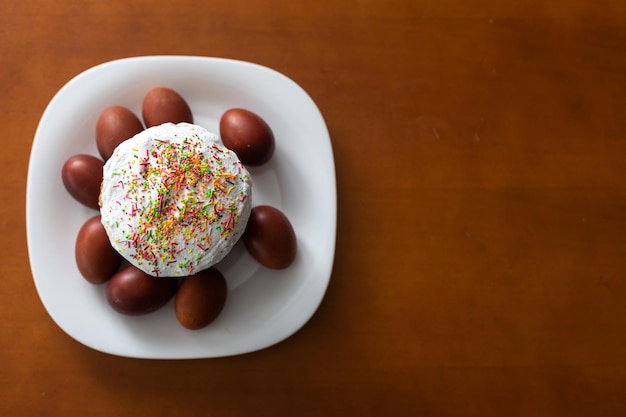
point(174, 200)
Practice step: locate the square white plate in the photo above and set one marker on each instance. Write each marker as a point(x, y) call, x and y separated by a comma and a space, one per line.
point(263, 306)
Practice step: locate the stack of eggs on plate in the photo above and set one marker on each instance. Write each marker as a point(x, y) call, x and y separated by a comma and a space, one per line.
point(173, 199)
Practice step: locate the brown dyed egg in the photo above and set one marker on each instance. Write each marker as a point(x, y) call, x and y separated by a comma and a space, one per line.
point(200, 299)
point(96, 259)
point(270, 238)
point(82, 176)
point(133, 292)
point(248, 135)
point(115, 124)
point(162, 105)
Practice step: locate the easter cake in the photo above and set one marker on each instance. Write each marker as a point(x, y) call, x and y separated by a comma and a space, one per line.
point(174, 200)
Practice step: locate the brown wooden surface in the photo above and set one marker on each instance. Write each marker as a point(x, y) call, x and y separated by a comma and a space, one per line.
point(480, 150)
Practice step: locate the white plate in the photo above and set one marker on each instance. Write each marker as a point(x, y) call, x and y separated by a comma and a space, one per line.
point(264, 306)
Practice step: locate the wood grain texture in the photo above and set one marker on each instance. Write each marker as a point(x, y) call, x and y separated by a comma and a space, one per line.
point(480, 153)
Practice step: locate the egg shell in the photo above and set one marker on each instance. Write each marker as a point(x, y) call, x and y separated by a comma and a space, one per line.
point(269, 237)
point(133, 292)
point(161, 105)
point(96, 259)
point(82, 175)
point(115, 124)
point(200, 299)
point(248, 135)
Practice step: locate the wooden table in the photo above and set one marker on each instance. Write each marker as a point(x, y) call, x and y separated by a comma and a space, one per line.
point(480, 151)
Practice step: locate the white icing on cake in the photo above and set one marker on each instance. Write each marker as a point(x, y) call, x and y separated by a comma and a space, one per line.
point(174, 200)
